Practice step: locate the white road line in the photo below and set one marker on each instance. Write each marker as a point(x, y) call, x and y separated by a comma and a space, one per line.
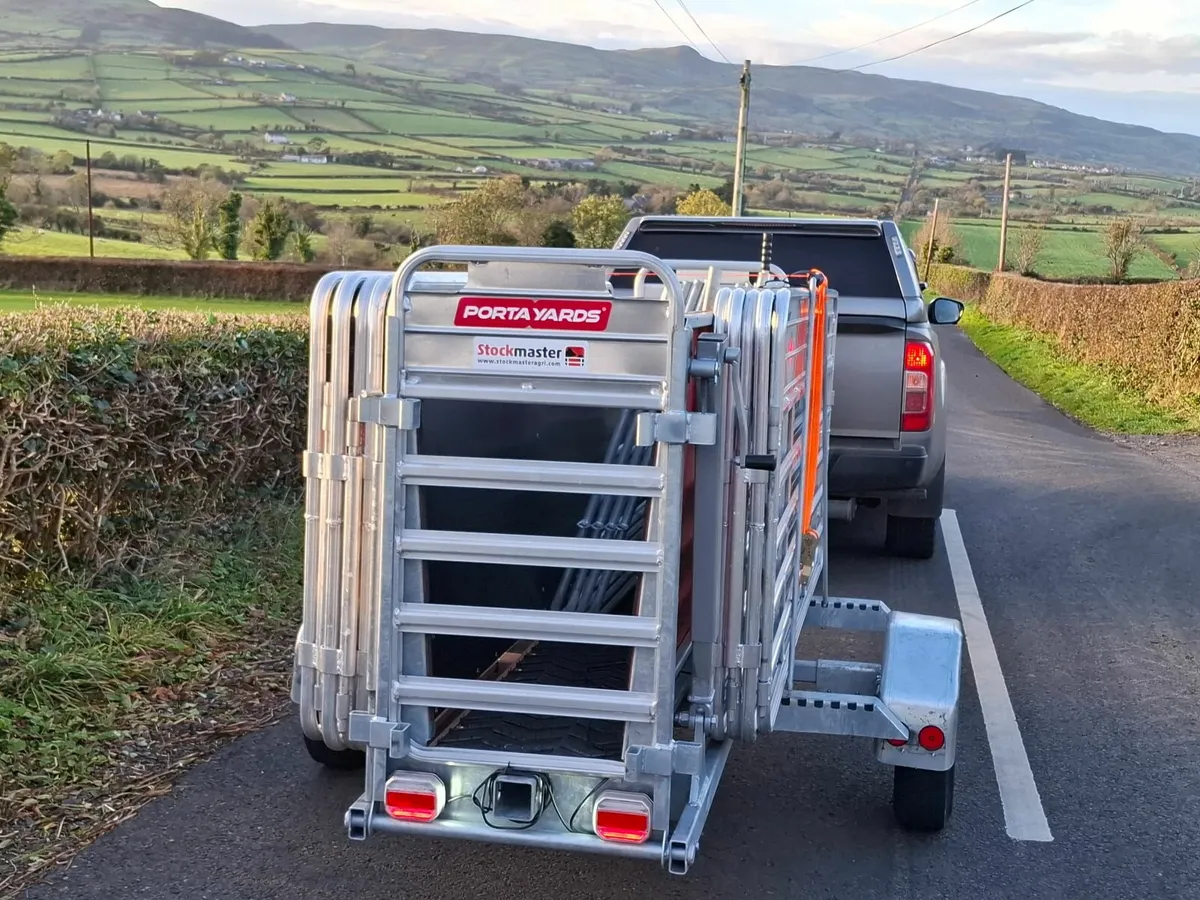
point(1024, 818)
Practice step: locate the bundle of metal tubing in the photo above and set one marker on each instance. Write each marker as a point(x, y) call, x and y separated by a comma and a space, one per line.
point(611, 518)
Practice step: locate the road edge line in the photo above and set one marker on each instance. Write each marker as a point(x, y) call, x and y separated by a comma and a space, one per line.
point(1024, 816)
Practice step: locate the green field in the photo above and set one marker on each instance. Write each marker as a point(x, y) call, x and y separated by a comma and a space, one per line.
point(1068, 252)
point(26, 242)
point(187, 116)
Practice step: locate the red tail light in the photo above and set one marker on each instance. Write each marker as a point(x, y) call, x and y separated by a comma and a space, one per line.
point(931, 738)
point(918, 387)
point(622, 818)
point(414, 796)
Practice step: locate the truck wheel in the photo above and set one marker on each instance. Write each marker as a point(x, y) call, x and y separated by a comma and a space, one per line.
point(923, 800)
point(911, 538)
point(340, 760)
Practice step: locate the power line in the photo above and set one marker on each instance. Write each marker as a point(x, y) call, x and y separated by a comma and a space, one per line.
point(944, 40)
point(700, 27)
point(888, 37)
point(678, 27)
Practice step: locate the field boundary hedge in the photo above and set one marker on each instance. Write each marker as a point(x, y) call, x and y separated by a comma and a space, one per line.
point(124, 427)
point(959, 282)
point(1148, 333)
point(215, 279)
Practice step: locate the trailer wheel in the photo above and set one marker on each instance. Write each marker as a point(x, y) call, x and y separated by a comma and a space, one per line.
point(911, 538)
point(923, 800)
point(340, 760)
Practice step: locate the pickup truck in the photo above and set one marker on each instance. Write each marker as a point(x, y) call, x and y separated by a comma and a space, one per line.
point(888, 433)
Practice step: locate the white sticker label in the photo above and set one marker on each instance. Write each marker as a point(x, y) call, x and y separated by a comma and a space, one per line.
point(530, 355)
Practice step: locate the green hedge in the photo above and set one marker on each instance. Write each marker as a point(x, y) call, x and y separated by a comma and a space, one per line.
point(960, 282)
point(162, 277)
point(122, 427)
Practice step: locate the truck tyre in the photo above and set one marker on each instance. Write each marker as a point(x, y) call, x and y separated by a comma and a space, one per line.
point(923, 800)
point(339, 760)
point(911, 538)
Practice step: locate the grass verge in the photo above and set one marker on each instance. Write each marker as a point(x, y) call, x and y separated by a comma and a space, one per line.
point(26, 301)
point(1094, 396)
point(108, 693)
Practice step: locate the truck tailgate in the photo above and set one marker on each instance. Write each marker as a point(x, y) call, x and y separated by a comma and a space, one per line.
point(869, 374)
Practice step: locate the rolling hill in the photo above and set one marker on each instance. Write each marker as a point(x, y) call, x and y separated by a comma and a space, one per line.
point(675, 85)
point(67, 24)
point(681, 82)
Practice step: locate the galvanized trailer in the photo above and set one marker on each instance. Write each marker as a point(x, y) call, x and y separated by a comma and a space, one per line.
point(562, 539)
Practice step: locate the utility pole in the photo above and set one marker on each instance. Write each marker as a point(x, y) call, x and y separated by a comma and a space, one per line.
point(932, 235)
point(739, 165)
point(1004, 214)
point(91, 229)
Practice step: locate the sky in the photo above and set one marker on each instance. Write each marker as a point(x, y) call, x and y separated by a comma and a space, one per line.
point(1135, 61)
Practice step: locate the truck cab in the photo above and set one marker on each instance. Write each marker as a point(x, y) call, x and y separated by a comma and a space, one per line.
point(888, 433)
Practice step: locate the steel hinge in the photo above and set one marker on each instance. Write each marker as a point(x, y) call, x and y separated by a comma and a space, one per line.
point(678, 757)
point(379, 733)
point(676, 428)
point(329, 466)
point(747, 656)
point(326, 660)
point(387, 410)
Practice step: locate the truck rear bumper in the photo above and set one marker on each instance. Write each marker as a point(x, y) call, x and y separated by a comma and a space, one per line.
point(856, 470)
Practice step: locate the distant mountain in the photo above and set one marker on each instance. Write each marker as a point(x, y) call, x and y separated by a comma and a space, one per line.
point(40, 24)
point(680, 81)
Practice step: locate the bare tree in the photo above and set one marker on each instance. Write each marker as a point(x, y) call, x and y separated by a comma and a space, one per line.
point(192, 217)
point(1122, 245)
point(1030, 240)
point(339, 242)
point(76, 192)
point(946, 245)
point(1191, 272)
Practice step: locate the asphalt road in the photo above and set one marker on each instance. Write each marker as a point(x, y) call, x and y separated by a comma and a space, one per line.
point(1087, 560)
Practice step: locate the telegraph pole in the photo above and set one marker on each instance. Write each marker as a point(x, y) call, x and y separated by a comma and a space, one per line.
point(932, 235)
point(739, 165)
point(91, 229)
point(1004, 214)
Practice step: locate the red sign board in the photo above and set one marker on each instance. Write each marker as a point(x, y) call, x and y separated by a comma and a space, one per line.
point(519, 312)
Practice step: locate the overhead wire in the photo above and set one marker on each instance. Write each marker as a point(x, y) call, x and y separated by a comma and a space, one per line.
point(700, 28)
point(687, 37)
point(945, 40)
point(888, 37)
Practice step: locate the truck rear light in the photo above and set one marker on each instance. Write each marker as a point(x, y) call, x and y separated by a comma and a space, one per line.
point(622, 818)
point(414, 796)
point(918, 387)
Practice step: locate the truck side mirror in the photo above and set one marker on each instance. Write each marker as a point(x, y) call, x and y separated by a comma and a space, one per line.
point(944, 311)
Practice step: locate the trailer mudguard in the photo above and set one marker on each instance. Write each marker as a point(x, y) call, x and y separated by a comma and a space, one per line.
point(920, 681)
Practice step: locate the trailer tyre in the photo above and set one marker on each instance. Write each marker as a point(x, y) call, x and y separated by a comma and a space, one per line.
point(911, 538)
point(340, 760)
point(923, 800)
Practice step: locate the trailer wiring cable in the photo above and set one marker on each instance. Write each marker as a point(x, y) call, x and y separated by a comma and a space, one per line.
point(484, 798)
